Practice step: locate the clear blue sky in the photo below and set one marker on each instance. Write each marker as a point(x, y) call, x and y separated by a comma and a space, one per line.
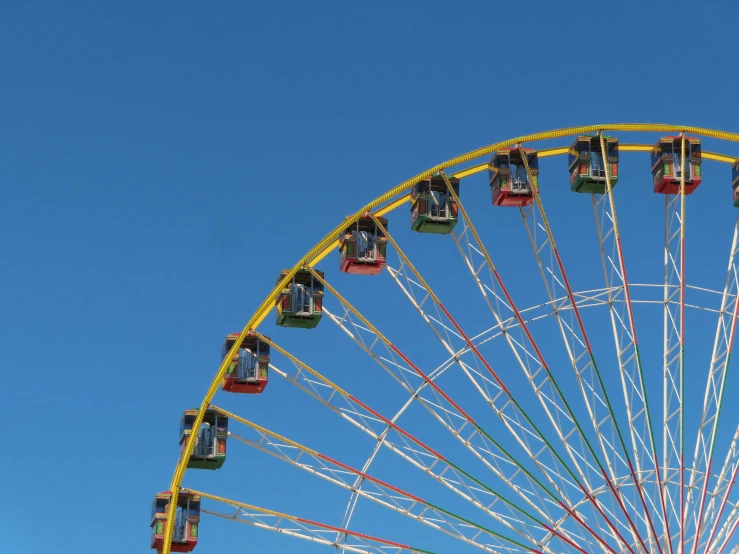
point(161, 161)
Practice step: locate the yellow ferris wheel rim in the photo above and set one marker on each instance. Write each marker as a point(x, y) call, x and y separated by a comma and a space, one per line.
point(393, 199)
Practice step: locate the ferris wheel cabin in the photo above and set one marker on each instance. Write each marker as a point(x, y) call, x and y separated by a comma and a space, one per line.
point(187, 520)
point(587, 166)
point(363, 246)
point(509, 181)
point(248, 371)
point(433, 209)
point(300, 303)
point(210, 446)
point(735, 182)
point(667, 165)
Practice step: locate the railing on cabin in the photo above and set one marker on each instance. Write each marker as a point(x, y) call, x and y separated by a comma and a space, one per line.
point(439, 208)
point(597, 165)
point(180, 526)
point(519, 178)
point(366, 247)
point(205, 447)
point(247, 369)
point(302, 303)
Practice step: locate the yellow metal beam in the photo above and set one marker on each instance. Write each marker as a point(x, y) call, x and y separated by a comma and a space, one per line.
point(548, 152)
point(635, 147)
point(718, 157)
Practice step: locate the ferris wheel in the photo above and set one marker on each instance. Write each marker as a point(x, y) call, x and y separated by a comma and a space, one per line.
point(548, 372)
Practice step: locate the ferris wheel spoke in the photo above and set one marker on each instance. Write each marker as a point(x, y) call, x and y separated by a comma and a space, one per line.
point(456, 420)
point(728, 529)
point(721, 492)
point(714, 395)
point(451, 475)
point(305, 528)
point(376, 490)
point(627, 350)
point(299, 530)
point(673, 464)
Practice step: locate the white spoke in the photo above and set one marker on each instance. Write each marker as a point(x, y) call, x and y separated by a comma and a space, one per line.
point(720, 498)
point(672, 411)
point(643, 447)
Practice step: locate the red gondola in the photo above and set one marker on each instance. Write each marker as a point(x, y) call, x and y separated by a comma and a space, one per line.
point(666, 165)
point(509, 182)
point(186, 523)
point(363, 246)
point(248, 371)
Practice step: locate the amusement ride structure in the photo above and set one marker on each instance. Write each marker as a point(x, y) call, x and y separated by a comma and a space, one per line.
point(524, 414)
